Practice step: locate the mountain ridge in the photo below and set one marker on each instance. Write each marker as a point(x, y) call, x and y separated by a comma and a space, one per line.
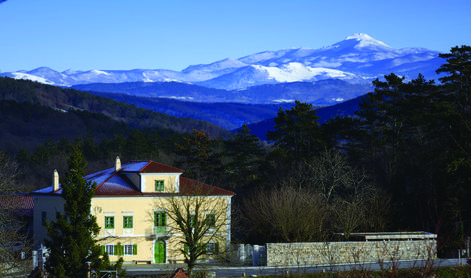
point(357, 59)
point(320, 93)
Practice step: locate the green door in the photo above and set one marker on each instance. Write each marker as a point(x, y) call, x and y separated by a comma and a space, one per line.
point(159, 252)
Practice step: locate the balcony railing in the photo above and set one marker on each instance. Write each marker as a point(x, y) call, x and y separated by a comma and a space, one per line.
point(160, 230)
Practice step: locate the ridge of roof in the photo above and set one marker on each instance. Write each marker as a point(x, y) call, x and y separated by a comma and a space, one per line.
point(156, 167)
point(103, 182)
point(148, 167)
point(187, 187)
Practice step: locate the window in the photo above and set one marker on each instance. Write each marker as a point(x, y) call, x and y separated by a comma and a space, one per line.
point(160, 222)
point(109, 223)
point(127, 222)
point(211, 220)
point(159, 185)
point(43, 218)
point(212, 248)
point(130, 249)
point(109, 248)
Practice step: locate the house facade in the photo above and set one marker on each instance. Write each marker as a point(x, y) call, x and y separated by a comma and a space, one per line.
point(131, 207)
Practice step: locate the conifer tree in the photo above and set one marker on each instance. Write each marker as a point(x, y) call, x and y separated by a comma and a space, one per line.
point(199, 156)
point(246, 152)
point(458, 80)
point(297, 132)
point(71, 240)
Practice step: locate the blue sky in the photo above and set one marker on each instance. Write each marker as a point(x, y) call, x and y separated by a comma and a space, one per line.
point(158, 34)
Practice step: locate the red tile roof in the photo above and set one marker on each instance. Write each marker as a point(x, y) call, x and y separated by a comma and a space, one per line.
point(179, 273)
point(192, 187)
point(155, 167)
point(116, 183)
point(19, 203)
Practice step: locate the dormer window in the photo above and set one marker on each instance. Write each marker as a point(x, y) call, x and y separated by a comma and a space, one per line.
point(159, 185)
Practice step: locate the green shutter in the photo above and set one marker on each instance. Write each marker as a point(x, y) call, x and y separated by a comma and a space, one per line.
point(103, 249)
point(115, 249)
point(134, 249)
point(121, 250)
point(216, 247)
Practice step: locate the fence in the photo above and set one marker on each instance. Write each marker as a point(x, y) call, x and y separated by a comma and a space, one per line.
point(370, 247)
point(375, 248)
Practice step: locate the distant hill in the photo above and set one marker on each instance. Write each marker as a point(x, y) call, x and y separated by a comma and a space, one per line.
point(259, 117)
point(319, 93)
point(32, 112)
point(29, 125)
point(227, 115)
point(199, 103)
point(346, 108)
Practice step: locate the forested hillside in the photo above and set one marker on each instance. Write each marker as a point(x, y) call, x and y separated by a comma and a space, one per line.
point(227, 115)
point(65, 99)
point(29, 125)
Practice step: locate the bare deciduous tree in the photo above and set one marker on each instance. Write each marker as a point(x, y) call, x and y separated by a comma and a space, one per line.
point(318, 197)
point(290, 214)
point(348, 191)
point(199, 221)
point(11, 222)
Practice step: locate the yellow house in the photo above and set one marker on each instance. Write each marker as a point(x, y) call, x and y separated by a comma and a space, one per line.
point(130, 207)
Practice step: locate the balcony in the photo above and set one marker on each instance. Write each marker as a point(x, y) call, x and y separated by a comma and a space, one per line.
point(160, 230)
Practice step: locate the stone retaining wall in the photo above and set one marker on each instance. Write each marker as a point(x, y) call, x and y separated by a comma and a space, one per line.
point(315, 253)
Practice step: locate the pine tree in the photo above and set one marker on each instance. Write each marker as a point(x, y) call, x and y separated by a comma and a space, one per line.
point(297, 132)
point(458, 80)
point(199, 156)
point(71, 240)
point(455, 193)
point(246, 152)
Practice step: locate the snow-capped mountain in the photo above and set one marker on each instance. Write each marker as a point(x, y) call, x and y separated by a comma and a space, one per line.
point(357, 59)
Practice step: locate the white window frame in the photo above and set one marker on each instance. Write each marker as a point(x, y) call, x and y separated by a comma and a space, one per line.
point(210, 248)
point(131, 248)
point(108, 248)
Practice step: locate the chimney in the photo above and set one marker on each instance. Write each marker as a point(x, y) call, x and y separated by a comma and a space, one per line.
point(118, 164)
point(55, 181)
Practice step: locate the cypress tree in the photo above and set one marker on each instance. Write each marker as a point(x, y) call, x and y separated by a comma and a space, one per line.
point(71, 240)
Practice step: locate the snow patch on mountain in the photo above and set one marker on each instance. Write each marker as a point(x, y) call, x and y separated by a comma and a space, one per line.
point(98, 72)
point(26, 76)
point(283, 100)
point(366, 41)
point(292, 72)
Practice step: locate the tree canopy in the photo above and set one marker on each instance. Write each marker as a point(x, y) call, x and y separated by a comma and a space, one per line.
point(297, 132)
